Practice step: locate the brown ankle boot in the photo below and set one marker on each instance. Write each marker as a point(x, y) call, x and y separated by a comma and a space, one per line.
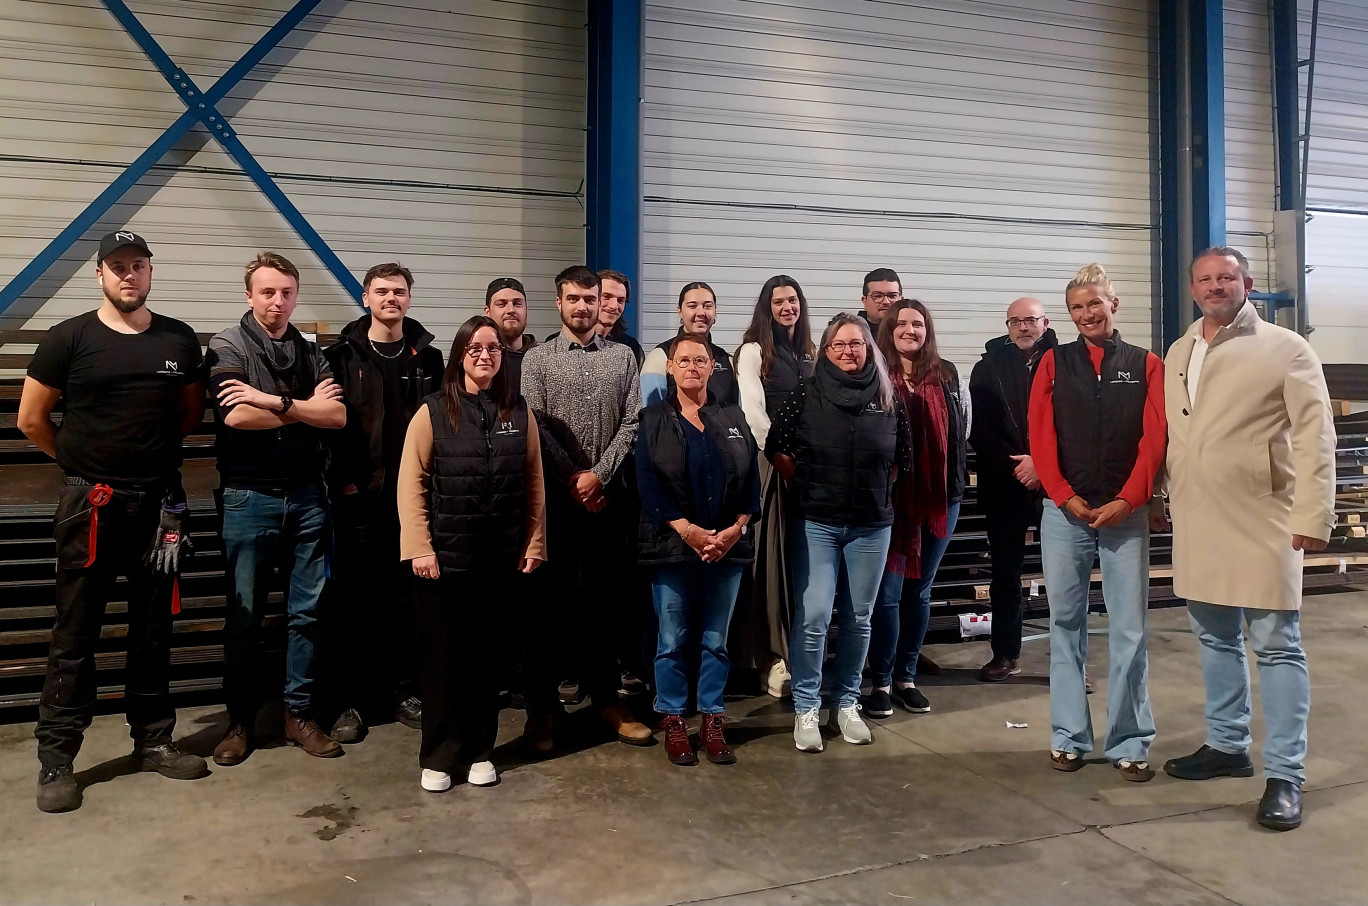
point(677, 746)
point(303, 732)
point(710, 734)
point(235, 745)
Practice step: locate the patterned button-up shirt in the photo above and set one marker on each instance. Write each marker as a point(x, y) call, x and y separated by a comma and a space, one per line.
point(587, 398)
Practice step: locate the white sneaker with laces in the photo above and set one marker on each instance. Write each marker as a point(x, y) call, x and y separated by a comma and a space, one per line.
point(482, 773)
point(435, 781)
point(853, 728)
point(807, 732)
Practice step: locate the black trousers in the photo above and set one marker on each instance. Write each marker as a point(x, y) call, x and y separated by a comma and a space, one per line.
point(464, 618)
point(125, 529)
point(369, 637)
point(1010, 511)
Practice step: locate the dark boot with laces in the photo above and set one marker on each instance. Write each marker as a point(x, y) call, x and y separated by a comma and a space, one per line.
point(57, 789)
point(714, 743)
point(677, 746)
point(302, 731)
point(169, 761)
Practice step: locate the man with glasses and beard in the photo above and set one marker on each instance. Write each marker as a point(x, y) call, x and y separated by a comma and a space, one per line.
point(133, 386)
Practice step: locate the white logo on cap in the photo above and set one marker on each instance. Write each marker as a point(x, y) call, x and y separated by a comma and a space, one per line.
point(127, 237)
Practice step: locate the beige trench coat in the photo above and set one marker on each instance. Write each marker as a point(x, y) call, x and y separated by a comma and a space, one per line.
point(1249, 465)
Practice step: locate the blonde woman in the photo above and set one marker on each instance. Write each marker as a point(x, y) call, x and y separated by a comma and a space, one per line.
point(839, 438)
point(1098, 435)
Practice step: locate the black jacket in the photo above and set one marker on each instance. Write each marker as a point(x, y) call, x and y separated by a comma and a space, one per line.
point(1000, 387)
point(1099, 418)
point(357, 450)
point(956, 450)
point(721, 384)
point(662, 439)
point(477, 499)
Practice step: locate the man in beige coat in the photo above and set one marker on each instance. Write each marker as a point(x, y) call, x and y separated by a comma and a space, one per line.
point(1251, 466)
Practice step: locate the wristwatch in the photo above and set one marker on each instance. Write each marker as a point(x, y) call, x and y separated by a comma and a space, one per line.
point(286, 401)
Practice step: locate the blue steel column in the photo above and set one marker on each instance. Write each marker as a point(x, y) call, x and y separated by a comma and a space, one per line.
point(1208, 124)
point(1171, 89)
point(613, 152)
point(1283, 26)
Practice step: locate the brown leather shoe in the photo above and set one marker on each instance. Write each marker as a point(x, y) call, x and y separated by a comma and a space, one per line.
point(536, 734)
point(677, 746)
point(998, 669)
point(303, 732)
point(628, 729)
point(714, 743)
point(235, 745)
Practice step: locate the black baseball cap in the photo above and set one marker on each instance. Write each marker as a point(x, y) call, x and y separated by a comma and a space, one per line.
point(112, 242)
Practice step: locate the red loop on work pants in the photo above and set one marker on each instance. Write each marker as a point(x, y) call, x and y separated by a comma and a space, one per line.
point(98, 497)
point(175, 595)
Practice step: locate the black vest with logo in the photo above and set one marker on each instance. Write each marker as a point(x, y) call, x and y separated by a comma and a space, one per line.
point(664, 437)
point(1099, 419)
point(722, 383)
point(477, 498)
point(844, 462)
point(787, 370)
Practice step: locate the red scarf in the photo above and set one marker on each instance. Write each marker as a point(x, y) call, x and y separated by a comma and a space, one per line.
point(920, 500)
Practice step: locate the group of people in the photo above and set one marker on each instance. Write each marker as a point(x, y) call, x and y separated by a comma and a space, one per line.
point(440, 521)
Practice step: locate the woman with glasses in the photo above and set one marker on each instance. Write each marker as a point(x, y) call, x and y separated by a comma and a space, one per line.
point(699, 483)
point(472, 511)
point(840, 438)
point(697, 315)
point(926, 502)
point(776, 355)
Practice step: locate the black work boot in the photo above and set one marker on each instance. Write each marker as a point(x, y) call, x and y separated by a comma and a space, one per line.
point(169, 761)
point(57, 789)
point(349, 727)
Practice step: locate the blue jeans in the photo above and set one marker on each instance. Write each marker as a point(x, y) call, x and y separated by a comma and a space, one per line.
point(694, 603)
point(261, 530)
point(903, 611)
point(819, 552)
point(1068, 547)
point(1284, 683)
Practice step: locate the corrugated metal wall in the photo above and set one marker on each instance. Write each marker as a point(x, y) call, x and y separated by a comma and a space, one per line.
point(1337, 243)
point(985, 150)
point(478, 108)
point(1251, 181)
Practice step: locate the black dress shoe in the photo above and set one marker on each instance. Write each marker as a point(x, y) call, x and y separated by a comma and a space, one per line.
point(1280, 809)
point(169, 761)
point(1206, 763)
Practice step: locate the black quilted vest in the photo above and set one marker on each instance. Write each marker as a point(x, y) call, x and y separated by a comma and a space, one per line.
point(1099, 419)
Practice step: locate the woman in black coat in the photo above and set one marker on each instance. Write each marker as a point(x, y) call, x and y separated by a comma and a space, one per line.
point(700, 487)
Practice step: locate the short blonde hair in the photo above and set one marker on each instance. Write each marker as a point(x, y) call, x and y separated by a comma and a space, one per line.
point(1091, 275)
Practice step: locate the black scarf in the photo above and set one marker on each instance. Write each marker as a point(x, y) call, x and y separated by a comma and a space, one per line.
point(848, 392)
point(273, 366)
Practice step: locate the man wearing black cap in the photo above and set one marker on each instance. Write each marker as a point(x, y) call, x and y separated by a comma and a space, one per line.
point(132, 384)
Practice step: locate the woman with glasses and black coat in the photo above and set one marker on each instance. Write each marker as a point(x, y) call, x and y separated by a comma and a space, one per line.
point(472, 515)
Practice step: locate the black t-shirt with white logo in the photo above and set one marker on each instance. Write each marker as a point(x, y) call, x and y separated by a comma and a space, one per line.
point(122, 393)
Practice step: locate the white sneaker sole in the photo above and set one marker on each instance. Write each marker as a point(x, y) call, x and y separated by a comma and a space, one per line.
point(484, 777)
point(435, 781)
point(802, 748)
point(860, 741)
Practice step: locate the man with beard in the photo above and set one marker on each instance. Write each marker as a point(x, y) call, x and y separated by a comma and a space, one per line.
point(1009, 490)
point(133, 387)
point(506, 303)
point(385, 364)
point(1251, 469)
point(586, 395)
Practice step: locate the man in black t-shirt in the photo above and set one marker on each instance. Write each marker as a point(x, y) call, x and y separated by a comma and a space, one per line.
point(273, 390)
point(385, 364)
point(132, 386)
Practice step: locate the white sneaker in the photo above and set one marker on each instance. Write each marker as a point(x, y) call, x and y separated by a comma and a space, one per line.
point(435, 781)
point(778, 683)
point(807, 734)
point(482, 773)
point(853, 728)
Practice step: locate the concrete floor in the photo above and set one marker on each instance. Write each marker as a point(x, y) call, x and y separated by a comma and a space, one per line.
point(948, 807)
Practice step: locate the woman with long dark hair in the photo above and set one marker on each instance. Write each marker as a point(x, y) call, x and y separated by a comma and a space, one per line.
point(697, 315)
point(776, 355)
point(472, 513)
point(926, 502)
point(840, 438)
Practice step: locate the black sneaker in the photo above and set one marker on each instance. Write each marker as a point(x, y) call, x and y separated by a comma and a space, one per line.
point(409, 712)
point(570, 693)
point(911, 699)
point(1206, 763)
point(57, 789)
point(169, 761)
point(349, 727)
point(878, 703)
point(632, 684)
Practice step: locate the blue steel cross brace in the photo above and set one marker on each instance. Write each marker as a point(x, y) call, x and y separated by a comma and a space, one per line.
point(200, 108)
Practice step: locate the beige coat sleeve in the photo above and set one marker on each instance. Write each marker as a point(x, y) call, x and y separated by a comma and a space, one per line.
point(535, 547)
point(1313, 445)
point(415, 476)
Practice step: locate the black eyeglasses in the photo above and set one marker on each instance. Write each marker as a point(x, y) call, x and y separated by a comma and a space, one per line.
point(1024, 322)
